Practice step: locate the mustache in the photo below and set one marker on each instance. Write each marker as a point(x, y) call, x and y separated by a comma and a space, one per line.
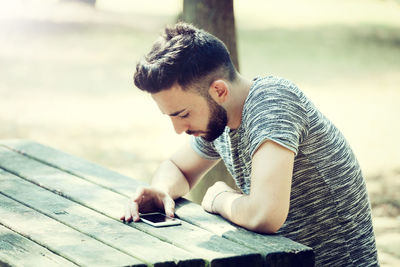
point(195, 132)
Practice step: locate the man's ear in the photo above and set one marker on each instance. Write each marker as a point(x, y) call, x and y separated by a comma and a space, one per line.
point(219, 91)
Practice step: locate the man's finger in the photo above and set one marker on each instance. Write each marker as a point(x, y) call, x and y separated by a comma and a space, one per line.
point(134, 211)
point(122, 218)
point(127, 217)
point(140, 192)
point(169, 206)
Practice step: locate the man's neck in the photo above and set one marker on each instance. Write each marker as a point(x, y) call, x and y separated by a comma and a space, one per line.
point(239, 92)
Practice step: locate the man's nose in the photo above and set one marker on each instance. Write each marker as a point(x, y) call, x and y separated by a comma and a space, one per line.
point(179, 125)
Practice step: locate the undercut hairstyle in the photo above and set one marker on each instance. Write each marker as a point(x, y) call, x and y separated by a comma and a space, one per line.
point(186, 55)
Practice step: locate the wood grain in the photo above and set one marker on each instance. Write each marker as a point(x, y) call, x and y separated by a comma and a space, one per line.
point(216, 250)
point(16, 250)
point(63, 240)
point(100, 227)
point(276, 250)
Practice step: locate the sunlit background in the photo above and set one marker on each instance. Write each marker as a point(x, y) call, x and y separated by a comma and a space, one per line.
point(66, 80)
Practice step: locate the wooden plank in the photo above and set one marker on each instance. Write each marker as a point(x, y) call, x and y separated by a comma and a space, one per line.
point(217, 250)
point(16, 250)
point(96, 225)
point(65, 241)
point(276, 249)
point(79, 167)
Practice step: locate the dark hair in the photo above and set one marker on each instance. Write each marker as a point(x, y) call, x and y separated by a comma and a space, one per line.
point(186, 55)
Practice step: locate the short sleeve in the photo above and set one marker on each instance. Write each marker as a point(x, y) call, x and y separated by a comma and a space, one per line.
point(204, 148)
point(276, 112)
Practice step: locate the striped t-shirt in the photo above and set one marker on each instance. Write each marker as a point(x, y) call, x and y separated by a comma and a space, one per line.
point(329, 207)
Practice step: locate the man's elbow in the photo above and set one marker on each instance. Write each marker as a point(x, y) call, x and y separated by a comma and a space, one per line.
point(265, 228)
point(269, 224)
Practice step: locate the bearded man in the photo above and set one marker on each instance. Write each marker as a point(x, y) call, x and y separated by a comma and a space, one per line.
point(297, 174)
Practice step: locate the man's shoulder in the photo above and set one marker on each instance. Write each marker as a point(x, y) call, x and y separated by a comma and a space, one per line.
point(264, 84)
point(270, 89)
point(274, 100)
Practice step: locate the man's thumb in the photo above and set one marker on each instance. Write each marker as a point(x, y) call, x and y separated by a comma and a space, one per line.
point(169, 206)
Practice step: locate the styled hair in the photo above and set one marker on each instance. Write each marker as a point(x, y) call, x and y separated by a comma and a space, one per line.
point(185, 55)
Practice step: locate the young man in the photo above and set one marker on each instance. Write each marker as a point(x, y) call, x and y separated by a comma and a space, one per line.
point(297, 175)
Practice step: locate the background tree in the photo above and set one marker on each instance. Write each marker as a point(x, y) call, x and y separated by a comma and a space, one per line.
point(88, 2)
point(216, 17)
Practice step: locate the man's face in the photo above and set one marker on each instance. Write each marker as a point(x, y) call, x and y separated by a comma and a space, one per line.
point(217, 120)
point(192, 113)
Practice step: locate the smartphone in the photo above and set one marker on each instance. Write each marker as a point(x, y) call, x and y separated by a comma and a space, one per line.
point(158, 219)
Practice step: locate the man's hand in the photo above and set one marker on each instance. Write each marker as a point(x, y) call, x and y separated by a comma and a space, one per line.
point(148, 199)
point(213, 193)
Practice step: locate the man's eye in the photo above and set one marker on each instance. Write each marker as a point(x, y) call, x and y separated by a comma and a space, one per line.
point(184, 116)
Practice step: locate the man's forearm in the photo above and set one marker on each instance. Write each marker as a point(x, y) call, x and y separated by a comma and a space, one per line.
point(232, 206)
point(242, 210)
point(170, 179)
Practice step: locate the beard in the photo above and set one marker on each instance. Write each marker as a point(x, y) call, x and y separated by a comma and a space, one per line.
point(216, 122)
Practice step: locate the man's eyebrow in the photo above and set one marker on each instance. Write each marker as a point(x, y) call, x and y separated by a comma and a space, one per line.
point(174, 114)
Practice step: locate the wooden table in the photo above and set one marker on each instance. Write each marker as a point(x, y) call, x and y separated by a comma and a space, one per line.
point(57, 209)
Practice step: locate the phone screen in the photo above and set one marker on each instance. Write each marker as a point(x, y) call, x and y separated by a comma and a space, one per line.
point(156, 217)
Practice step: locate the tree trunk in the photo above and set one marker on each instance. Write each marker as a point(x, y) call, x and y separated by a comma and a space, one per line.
point(216, 17)
point(88, 2)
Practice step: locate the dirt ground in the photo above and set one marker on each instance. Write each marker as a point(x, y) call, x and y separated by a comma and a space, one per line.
point(66, 81)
